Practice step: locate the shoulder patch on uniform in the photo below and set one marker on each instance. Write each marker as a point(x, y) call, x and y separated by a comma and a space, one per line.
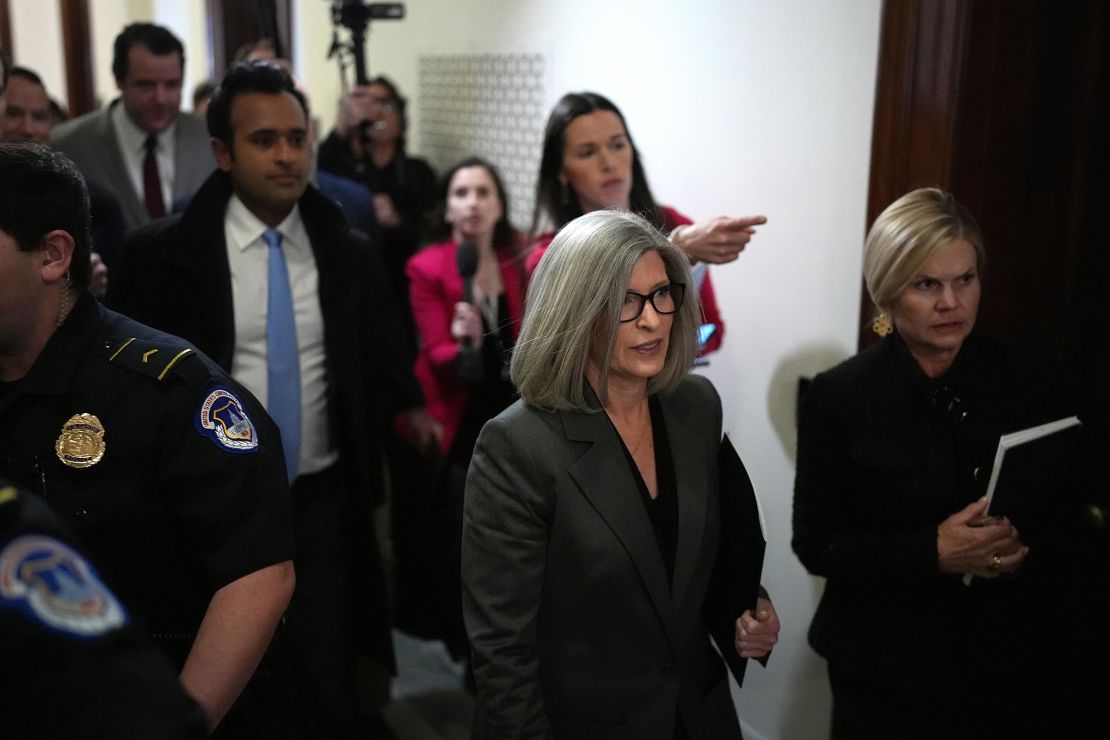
point(54, 586)
point(154, 359)
point(222, 418)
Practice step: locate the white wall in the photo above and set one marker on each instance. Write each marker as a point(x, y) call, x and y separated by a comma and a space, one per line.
point(37, 43)
point(187, 19)
point(107, 19)
point(738, 107)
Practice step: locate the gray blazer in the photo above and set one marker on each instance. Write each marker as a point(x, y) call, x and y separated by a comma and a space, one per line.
point(574, 628)
point(90, 141)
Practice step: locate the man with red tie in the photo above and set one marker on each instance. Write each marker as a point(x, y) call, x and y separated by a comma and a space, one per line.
point(141, 147)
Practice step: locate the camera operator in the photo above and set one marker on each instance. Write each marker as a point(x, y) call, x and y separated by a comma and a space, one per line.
point(368, 145)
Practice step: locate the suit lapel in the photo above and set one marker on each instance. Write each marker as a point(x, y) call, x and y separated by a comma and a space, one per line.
point(114, 170)
point(690, 479)
point(202, 254)
point(323, 226)
point(603, 476)
point(181, 164)
point(188, 166)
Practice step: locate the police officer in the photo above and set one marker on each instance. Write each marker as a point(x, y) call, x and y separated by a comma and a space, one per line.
point(72, 662)
point(169, 472)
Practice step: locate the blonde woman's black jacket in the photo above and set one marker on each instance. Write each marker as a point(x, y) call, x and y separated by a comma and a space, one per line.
point(885, 454)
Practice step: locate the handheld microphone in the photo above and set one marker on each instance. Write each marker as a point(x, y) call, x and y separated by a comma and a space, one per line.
point(466, 258)
point(470, 357)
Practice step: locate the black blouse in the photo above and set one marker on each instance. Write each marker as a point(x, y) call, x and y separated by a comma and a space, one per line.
point(663, 509)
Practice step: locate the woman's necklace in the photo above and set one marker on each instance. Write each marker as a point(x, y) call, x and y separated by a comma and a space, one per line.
point(625, 432)
point(639, 440)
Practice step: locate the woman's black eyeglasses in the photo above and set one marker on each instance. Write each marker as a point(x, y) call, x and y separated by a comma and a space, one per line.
point(665, 300)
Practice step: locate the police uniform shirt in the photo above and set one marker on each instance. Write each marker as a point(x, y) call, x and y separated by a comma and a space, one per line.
point(72, 663)
point(174, 482)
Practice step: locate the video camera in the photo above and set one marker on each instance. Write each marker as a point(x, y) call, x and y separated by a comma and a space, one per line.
point(355, 16)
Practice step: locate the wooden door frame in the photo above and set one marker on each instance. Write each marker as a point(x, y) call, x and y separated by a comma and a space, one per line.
point(921, 58)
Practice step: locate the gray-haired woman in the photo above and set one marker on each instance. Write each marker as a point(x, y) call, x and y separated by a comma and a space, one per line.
point(590, 527)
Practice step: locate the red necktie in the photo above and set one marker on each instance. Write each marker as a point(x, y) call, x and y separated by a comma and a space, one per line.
point(152, 184)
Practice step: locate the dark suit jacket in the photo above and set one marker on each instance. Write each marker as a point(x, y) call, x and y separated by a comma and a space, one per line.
point(575, 631)
point(90, 141)
point(885, 454)
point(357, 203)
point(174, 275)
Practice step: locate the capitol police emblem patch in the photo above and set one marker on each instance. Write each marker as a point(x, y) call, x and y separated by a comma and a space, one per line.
point(54, 586)
point(222, 419)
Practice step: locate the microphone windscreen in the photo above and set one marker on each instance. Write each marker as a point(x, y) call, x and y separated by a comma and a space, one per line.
point(466, 258)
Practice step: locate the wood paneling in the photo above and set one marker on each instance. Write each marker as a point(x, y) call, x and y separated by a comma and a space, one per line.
point(921, 55)
point(917, 99)
point(235, 23)
point(76, 43)
point(6, 29)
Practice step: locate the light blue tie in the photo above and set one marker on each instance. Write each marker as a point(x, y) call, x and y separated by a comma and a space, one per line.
point(283, 360)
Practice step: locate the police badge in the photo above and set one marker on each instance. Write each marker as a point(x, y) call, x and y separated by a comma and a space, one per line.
point(81, 443)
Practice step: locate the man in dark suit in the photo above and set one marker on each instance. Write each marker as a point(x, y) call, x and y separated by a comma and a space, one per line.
point(141, 147)
point(262, 272)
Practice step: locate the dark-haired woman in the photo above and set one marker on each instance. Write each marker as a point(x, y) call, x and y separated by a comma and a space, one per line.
point(589, 163)
point(474, 210)
point(465, 341)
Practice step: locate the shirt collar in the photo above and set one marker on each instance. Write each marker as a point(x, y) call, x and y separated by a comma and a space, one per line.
point(243, 229)
point(134, 138)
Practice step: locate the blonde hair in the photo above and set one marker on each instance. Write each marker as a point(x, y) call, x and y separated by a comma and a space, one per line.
point(907, 234)
point(574, 303)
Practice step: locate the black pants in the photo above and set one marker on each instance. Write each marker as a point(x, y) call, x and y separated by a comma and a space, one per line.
point(962, 706)
point(321, 613)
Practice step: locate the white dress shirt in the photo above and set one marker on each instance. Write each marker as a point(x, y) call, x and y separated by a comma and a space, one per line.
point(132, 144)
point(248, 257)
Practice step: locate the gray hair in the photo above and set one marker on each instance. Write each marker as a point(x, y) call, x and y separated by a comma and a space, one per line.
point(573, 310)
point(907, 234)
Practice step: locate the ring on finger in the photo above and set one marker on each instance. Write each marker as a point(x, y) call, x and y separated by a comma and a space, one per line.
point(996, 562)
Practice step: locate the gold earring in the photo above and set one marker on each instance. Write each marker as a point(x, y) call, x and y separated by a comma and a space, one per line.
point(882, 325)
